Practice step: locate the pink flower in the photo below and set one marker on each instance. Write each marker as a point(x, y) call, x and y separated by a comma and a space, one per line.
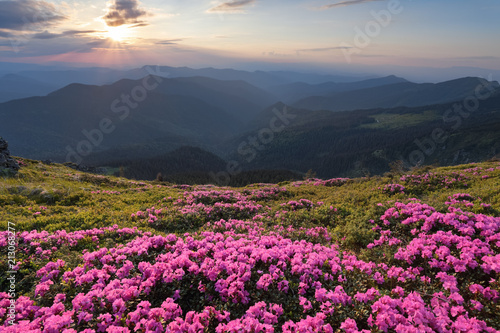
point(306, 304)
point(349, 325)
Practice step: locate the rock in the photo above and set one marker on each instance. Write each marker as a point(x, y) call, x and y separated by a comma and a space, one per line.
point(8, 165)
point(84, 168)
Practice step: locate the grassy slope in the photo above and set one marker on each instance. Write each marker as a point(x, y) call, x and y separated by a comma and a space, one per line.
point(71, 204)
point(53, 197)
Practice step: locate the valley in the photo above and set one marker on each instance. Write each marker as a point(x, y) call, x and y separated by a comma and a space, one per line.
point(134, 123)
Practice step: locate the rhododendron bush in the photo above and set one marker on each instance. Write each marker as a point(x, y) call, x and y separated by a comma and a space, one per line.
point(441, 273)
point(265, 260)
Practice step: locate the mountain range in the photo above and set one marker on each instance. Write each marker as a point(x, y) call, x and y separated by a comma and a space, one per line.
point(396, 94)
point(39, 81)
point(249, 121)
point(15, 86)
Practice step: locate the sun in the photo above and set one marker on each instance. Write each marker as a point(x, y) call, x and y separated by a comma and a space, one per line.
point(118, 34)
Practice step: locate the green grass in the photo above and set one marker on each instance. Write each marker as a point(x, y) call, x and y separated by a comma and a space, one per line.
point(64, 199)
point(393, 121)
point(71, 205)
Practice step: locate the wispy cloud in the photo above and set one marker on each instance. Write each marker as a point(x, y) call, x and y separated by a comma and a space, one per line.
point(122, 12)
point(477, 58)
point(346, 3)
point(28, 15)
point(231, 7)
point(138, 25)
point(169, 41)
point(60, 46)
point(5, 34)
point(100, 43)
point(276, 54)
point(48, 35)
point(324, 49)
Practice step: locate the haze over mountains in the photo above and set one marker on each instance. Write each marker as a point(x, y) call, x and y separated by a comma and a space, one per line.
point(40, 81)
point(334, 125)
point(393, 95)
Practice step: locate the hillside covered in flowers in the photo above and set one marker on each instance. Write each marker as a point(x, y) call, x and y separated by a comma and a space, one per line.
point(416, 252)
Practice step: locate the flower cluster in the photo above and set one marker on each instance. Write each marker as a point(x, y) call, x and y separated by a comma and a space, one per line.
point(300, 204)
point(334, 182)
point(393, 189)
point(442, 274)
point(104, 192)
point(262, 258)
point(204, 204)
point(432, 181)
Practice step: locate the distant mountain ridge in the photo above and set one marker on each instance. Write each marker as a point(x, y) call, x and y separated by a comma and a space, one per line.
point(15, 86)
point(54, 79)
point(150, 117)
point(45, 126)
point(398, 94)
point(293, 92)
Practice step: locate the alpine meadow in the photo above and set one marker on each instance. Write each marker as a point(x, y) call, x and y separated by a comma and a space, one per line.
point(249, 166)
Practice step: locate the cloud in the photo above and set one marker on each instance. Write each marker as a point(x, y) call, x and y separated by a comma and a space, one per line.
point(346, 3)
point(28, 15)
point(5, 34)
point(477, 58)
point(169, 42)
point(106, 44)
point(122, 12)
point(231, 7)
point(49, 35)
point(58, 46)
point(138, 25)
point(325, 49)
point(100, 43)
point(276, 54)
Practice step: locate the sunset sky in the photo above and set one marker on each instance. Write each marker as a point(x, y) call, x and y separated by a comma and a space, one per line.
point(440, 33)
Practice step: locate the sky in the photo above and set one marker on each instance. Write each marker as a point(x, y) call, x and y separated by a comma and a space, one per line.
point(228, 33)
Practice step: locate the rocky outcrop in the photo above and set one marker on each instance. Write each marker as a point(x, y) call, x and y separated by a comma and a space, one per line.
point(8, 165)
point(84, 168)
